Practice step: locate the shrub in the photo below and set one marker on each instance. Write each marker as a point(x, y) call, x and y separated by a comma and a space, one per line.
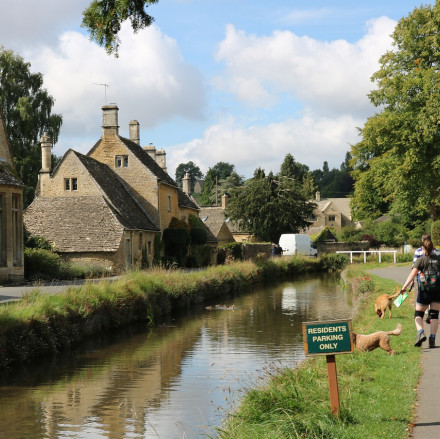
point(333, 262)
point(41, 264)
point(235, 250)
point(435, 232)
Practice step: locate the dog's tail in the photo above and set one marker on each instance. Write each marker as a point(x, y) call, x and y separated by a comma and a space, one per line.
point(396, 294)
point(397, 331)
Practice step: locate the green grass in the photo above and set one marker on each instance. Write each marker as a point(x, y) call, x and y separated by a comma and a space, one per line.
point(377, 391)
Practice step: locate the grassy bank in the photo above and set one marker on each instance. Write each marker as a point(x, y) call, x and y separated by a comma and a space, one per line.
point(42, 324)
point(377, 391)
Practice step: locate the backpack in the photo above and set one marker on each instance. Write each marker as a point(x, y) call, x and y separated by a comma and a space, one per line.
point(431, 283)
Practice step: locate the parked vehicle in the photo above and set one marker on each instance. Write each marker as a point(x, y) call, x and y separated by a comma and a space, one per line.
point(297, 244)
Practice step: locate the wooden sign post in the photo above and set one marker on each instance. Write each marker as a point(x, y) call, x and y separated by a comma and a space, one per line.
point(329, 338)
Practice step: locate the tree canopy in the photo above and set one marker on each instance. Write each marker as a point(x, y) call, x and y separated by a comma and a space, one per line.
point(103, 19)
point(192, 169)
point(220, 171)
point(397, 162)
point(268, 206)
point(27, 111)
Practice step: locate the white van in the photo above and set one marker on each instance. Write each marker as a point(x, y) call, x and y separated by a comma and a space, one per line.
point(297, 244)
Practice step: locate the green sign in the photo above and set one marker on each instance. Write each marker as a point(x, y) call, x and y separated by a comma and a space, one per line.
point(327, 338)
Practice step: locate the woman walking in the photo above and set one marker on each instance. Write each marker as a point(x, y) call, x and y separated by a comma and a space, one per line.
point(428, 292)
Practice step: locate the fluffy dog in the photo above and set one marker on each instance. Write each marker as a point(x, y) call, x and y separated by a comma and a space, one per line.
point(380, 339)
point(383, 302)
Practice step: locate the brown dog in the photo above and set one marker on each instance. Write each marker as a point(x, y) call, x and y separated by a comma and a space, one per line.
point(375, 340)
point(383, 302)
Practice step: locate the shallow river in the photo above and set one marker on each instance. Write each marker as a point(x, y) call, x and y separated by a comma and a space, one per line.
point(174, 381)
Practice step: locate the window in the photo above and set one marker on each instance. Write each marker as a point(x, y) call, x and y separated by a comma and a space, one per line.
point(149, 247)
point(70, 184)
point(332, 218)
point(169, 203)
point(16, 229)
point(121, 161)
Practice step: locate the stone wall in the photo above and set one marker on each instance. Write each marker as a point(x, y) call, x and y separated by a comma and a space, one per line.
point(333, 247)
point(251, 251)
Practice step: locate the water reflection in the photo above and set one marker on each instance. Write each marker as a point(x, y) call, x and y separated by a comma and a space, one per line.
point(172, 381)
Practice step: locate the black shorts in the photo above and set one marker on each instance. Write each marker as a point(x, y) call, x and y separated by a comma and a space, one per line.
point(425, 297)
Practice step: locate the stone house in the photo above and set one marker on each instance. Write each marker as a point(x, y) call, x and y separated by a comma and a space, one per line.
point(331, 213)
point(11, 213)
point(106, 207)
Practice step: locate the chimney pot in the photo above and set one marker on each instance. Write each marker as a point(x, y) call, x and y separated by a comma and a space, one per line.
point(133, 128)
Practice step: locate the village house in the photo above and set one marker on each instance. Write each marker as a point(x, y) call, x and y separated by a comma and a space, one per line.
point(107, 206)
point(11, 213)
point(331, 213)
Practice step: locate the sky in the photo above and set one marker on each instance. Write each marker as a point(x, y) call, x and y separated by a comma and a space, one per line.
point(240, 81)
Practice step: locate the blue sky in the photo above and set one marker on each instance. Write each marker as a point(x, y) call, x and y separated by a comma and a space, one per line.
point(241, 81)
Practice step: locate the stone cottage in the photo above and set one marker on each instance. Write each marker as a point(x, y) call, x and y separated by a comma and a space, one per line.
point(106, 207)
point(11, 213)
point(331, 213)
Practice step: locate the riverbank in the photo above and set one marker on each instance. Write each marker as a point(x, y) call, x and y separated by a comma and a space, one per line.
point(377, 391)
point(42, 324)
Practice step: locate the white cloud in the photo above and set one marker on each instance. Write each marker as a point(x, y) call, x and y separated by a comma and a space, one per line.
point(330, 77)
point(150, 81)
point(310, 139)
point(331, 81)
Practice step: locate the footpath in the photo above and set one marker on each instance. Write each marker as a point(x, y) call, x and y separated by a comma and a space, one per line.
point(427, 420)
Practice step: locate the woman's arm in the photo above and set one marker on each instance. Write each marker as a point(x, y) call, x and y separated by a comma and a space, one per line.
point(409, 280)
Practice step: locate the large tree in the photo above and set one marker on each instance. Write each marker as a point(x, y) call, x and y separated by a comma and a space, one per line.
point(269, 206)
point(397, 162)
point(103, 19)
point(27, 111)
point(210, 192)
point(192, 169)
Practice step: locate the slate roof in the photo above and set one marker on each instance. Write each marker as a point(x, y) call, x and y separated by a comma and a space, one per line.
point(342, 204)
point(8, 176)
point(213, 217)
point(183, 199)
point(88, 223)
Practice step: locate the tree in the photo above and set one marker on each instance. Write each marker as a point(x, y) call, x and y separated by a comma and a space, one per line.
point(103, 18)
point(270, 206)
point(192, 169)
point(26, 108)
point(397, 162)
point(291, 168)
point(219, 171)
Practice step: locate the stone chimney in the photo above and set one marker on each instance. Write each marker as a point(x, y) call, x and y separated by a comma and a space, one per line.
point(318, 196)
point(150, 150)
point(110, 125)
point(224, 201)
point(186, 184)
point(161, 159)
point(46, 153)
point(133, 129)
point(46, 162)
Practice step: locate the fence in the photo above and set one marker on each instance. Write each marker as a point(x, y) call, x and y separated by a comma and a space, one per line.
point(369, 251)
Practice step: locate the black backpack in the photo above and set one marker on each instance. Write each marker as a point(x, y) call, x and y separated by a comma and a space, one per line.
point(431, 282)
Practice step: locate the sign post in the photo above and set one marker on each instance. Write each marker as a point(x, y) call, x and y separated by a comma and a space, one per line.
point(329, 338)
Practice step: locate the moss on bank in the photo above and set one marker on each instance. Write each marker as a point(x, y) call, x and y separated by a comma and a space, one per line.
point(42, 324)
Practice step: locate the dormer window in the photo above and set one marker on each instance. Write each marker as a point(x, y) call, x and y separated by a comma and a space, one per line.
point(121, 161)
point(70, 184)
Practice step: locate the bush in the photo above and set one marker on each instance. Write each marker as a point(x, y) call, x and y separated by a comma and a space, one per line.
point(435, 232)
point(333, 262)
point(41, 264)
point(234, 249)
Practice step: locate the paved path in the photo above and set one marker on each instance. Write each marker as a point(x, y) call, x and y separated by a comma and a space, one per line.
point(427, 420)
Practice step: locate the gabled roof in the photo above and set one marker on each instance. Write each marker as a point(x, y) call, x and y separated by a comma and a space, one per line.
point(185, 200)
point(213, 217)
point(88, 223)
point(129, 212)
point(75, 224)
point(8, 176)
point(341, 204)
